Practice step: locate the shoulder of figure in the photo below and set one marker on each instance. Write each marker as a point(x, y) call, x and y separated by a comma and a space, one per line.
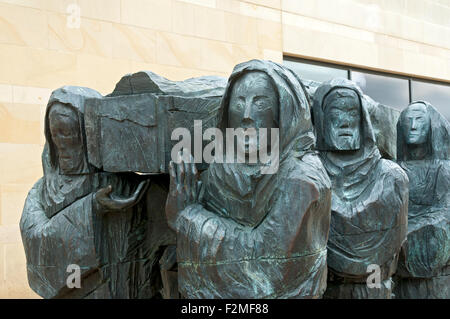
point(36, 187)
point(310, 169)
point(302, 177)
point(393, 170)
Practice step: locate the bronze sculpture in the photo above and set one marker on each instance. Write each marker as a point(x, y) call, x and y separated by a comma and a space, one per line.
point(423, 150)
point(250, 235)
point(327, 212)
point(77, 215)
point(370, 194)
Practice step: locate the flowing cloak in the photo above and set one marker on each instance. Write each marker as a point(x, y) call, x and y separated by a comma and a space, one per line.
point(426, 252)
point(62, 225)
point(254, 235)
point(370, 199)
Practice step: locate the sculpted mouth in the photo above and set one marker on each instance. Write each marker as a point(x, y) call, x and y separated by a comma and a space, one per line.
point(345, 135)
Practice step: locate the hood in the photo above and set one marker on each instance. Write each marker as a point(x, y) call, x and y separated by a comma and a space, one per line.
point(349, 175)
point(368, 137)
point(60, 190)
point(73, 97)
point(246, 195)
point(296, 130)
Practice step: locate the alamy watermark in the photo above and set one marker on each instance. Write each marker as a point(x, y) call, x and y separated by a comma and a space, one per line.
point(73, 16)
point(374, 279)
point(74, 279)
point(241, 145)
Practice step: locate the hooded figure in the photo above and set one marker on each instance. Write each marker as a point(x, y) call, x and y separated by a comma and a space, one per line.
point(254, 235)
point(63, 187)
point(423, 151)
point(370, 194)
point(83, 223)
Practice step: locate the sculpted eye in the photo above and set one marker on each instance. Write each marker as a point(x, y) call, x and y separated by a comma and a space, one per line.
point(260, 98)
point(334, 113)
point(238, 104)
point(261, 102)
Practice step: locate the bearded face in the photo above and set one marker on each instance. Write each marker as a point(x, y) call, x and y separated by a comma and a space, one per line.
point(342, 120)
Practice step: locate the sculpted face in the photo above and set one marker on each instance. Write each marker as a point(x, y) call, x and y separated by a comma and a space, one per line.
point(417, 124)
point(66, 135)
point(342, 122)
point(253, 104)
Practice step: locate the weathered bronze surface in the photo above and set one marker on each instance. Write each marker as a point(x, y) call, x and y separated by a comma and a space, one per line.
point(383, 118)
point(370, 194)
point(112, 226)
point(140, 224)
point(251, 235)
point(424, 153)
point(130, 129)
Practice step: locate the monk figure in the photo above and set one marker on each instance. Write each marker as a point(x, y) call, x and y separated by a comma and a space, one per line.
point(243, 232)
point(370, 195)
point(423, 151)
point(78, 219)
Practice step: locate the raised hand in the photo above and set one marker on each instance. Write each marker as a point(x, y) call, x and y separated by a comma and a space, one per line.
point(184, 188)
point(109, 202)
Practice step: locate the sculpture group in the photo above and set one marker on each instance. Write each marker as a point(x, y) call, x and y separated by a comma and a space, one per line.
point(141, 224)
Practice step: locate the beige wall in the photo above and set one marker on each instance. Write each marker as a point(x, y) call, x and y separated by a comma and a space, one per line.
point(180, 39)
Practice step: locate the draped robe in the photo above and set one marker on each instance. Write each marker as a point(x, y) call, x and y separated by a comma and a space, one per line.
point(369, 206)
point(63, 225)
point(254, 235)
point(424, 268)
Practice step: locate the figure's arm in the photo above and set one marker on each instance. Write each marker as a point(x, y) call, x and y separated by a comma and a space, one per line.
point(443, 184)
point(33, 215)
point(51, 245)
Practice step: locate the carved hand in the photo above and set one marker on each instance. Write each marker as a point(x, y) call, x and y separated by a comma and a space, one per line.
point(111, 203)
point(184, 188)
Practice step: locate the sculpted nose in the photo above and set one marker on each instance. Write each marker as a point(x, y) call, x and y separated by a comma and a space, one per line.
point(345, 123)
point(413, 124)
point(248, 116)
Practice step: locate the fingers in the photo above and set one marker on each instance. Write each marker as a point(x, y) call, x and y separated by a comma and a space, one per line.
point(180, 170)
point(199, 191)
point(142, 189)
point(139, 188)
point(184, 178)
point(173, 177)
point(172, 172)
point(104, 200)
point(104, 192)
point(194, 177)
point(188, 178)
point(181, 175)
point(137, 195)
